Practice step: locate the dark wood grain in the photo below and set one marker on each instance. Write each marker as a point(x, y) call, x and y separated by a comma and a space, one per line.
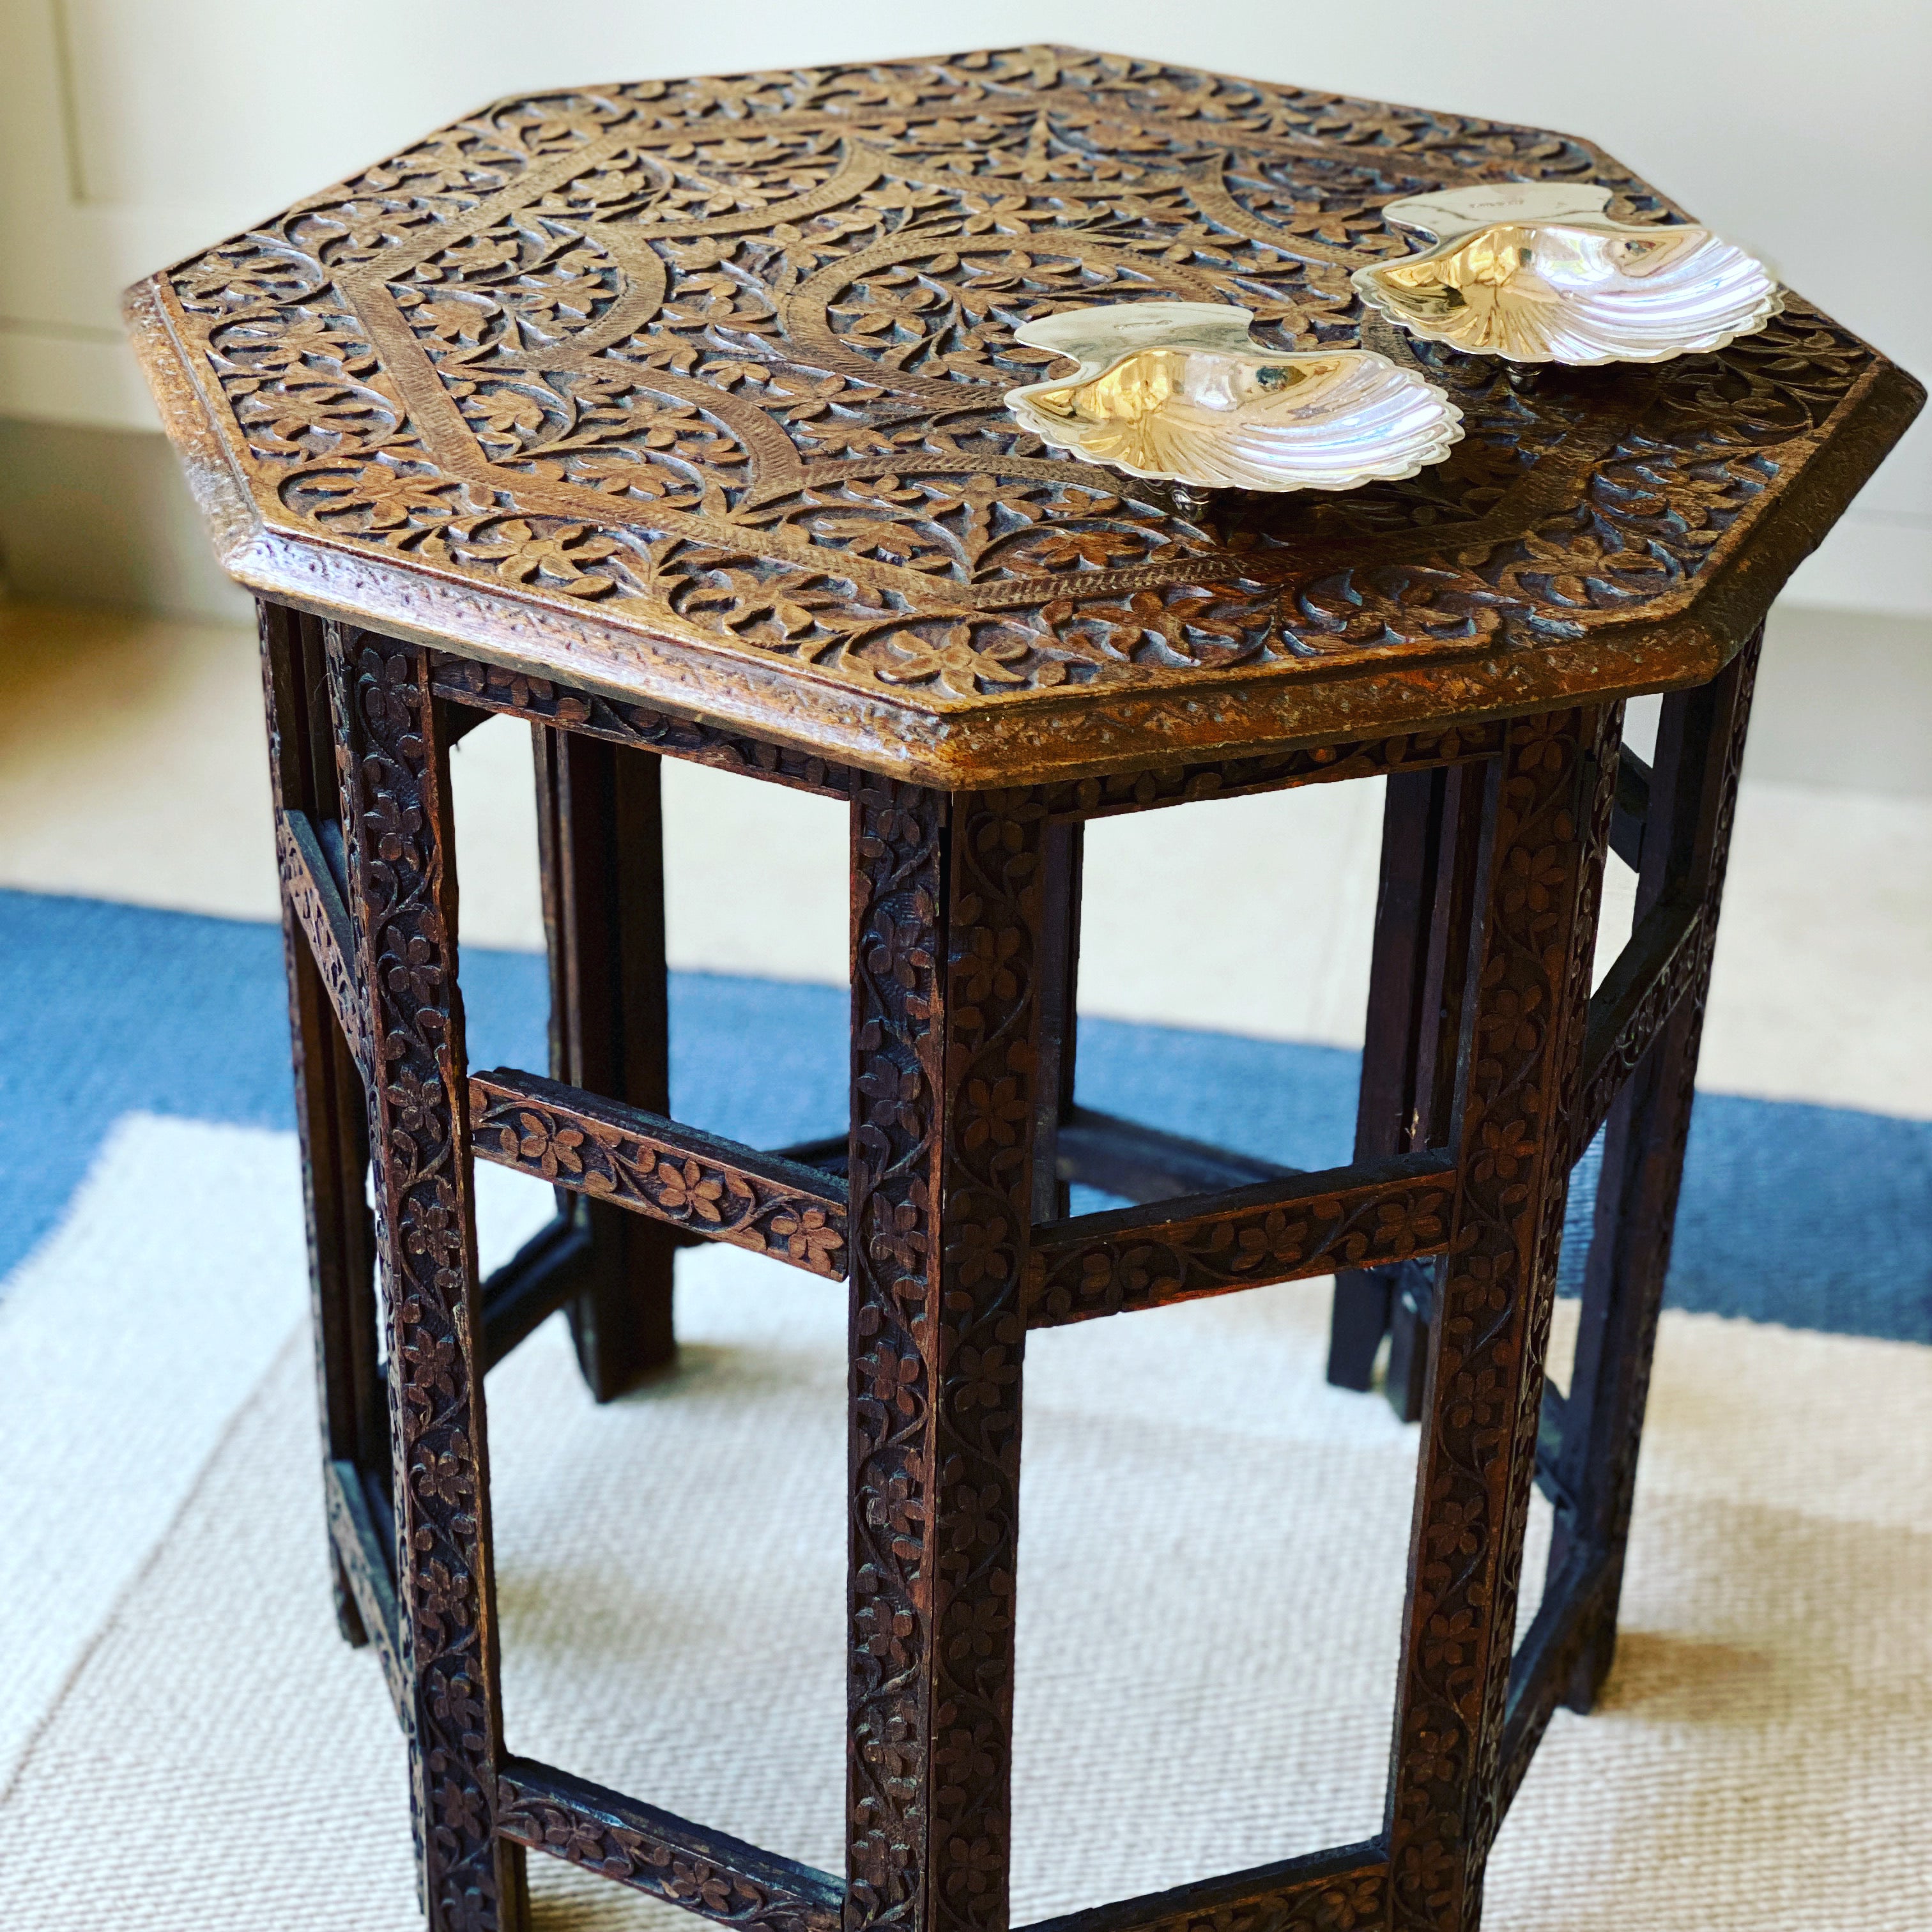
point(368, 1569)
point(706, 1872)
point(1150, 787)
point(670, 419)
point(402, 901)
point(946, 948)
point(693, 393)
point(1204, 1244)
point(1561, 1636)
point(570, 708)
point(1699, 753)
point(630, 1159)
point(310, 893)
point(545, 1274)
point(1344, 1890)
point(1667, 956)
point(1548, 824)
point(1141, 1163)
point(328, 1054)
point(1402, 1016)
point(600, 825)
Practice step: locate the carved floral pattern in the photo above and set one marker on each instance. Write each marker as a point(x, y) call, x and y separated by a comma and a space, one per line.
point(652, 1853)
point(426, 1234)
point(1552, 828)
point(943, 1017)
point(489, 687)
point(1143, 1258)
point(689, 1179)
point(1687, 968)
point(311, 896)
point(727, 358)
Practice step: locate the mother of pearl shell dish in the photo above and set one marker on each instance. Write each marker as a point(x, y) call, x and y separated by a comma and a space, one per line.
point(1537, 272)
point(1178, 391)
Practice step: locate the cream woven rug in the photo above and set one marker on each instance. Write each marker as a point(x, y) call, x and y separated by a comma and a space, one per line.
point(1211, 1576)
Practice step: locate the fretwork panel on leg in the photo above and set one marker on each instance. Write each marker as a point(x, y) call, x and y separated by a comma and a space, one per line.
point(1547, 809)
point(393, 762)
point(946, 953)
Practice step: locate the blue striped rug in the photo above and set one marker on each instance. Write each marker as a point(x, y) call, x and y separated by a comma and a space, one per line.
point(1811, 1216)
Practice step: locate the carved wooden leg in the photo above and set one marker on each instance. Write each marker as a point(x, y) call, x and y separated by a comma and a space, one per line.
point(602, 835)
point(1548, 806)
point(947, 895)
point(330, 1119)
point(1430, 829)
point(1686, 843)
point(393, 762)
point(1062, 861)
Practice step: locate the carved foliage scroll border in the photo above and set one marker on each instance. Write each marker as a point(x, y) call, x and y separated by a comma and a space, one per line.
point(1104, 796)
point(1349, 1899)
point(1366, 1224)
point(1691, 1018)
point(1550, 828)
point(547, 701)
point(303, 893)
point(528, 1125)
point(995, 887)
point(544, 701)
point(1596, 797)
point(650, 1862)
point(310, 387)
point(897, 1082)
point(947, 907)
point(426, 1234)
point(1687, 967)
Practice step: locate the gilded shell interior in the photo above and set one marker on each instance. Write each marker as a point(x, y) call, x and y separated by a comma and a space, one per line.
point(1176, 391)
point(1582, 290)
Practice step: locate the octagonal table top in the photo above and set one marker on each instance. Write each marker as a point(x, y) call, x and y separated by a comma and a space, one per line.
point(691, 392)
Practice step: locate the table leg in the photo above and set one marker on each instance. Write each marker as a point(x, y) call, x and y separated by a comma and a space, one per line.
point(331, 1121)
point(601, 841)
point(1547, 806)
point(947, 952)
point(1431, 828)
point(1062, 861)
point(393, 760)
point(1686, 843)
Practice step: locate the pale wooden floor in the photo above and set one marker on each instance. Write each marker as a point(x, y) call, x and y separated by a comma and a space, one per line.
point(131, 768)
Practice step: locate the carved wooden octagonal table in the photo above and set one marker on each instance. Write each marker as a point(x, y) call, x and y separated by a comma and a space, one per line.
point(669, 418)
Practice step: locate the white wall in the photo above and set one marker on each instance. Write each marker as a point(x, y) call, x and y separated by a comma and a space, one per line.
point(134, 131)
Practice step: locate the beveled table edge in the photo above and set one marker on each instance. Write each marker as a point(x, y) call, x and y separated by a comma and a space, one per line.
point(1008, 741)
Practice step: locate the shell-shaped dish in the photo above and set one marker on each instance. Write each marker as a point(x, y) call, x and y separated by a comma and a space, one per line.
point(1535, 272)
point(1178, 392)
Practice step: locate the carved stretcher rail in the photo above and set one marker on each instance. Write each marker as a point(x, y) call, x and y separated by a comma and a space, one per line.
point(1341, 1888)
point(1541, 1672)
point(1179, 1250)
point(696, 1181)
point(352, 1529)
point(1140, 1163)
point(310, 888)
point(1632, 809)
point(1271, 771)
point(542, 701)
point(703, 1870)
point(536, 1281)
point(1665, 957)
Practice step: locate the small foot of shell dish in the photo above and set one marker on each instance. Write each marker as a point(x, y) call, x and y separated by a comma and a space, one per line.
point(1177, 392)
point(1535, 272)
